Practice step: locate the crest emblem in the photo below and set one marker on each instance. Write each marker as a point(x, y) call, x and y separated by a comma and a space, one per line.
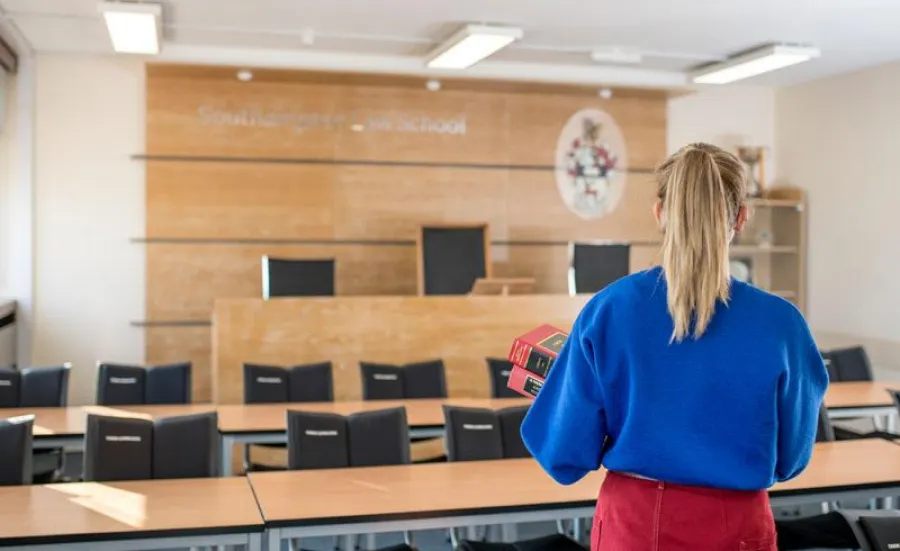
point(591, 164)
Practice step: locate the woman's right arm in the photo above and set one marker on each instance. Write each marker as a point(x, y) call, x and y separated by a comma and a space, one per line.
point(800, 392)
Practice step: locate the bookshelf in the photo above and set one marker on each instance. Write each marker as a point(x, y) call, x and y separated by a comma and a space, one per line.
point(773, 243)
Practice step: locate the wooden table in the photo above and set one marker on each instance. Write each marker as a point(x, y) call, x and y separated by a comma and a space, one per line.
point(862, 399)
point(151, 514)
point(443, 495)
point(266, 423)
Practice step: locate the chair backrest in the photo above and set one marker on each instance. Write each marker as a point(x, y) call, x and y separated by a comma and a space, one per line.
point(120, 385)
point(830, 367)
point(168, 384)
point(118, 448)
point(472, 434)
point(824, 429)
point(265, 384)
point(511, 431)
point(15, 450)
point(378, 438)
point(317, 440)
point(10, 384)
point(875, 530)
point(424, 380)
point(851, 364)
point(297, 278)
point(45, 386)
point(186, 446)
point(381, 381)
point(311, 383)
point(593, 266)
point(498, 371)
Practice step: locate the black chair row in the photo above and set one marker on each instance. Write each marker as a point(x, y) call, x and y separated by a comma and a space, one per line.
point(34, 387)
point(123, 448)
point(128, 385)
point(267, 384)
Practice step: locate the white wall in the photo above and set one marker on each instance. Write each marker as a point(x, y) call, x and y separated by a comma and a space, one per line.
point(838, 138)
point(726, 116)
point(7, 158)
point(89, 200)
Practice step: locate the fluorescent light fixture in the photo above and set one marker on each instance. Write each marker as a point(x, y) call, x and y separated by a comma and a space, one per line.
point(134, 28)
point(471, 44)
point(755, 62)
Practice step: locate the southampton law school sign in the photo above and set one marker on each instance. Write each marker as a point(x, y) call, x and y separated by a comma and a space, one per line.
point(300, 122)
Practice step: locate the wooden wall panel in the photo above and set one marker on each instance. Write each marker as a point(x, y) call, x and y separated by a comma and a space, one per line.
point(293, 174)
point(460, 330)
point(393, 202)
point(178, 344)
point(184, 280)
point(239, 201)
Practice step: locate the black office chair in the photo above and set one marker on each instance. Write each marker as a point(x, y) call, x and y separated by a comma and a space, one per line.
point(186, 446)
point(824, 429)
point(830, 367)
point(317, 440)
point(378, 438)
point(168, 384)
point(15, 450)
point(297, 278)
point(498, 370)
point(46, 387)
point(874, 530)
point(472, 434)
point(851, 364)
point(265, 384)
point(10, 382)
point(311, 383)
point(118, 448)
point(381, 381)
point(424, 380)
point(511, 431)
point(120, 385)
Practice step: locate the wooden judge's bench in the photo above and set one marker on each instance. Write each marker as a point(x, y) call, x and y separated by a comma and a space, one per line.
point(460, 330)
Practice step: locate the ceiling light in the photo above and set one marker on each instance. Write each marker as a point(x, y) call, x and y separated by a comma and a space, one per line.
point(133, 28)
point(245, 75)
point(470, 45)
point(605, 93)
point(616, 55)
point(752, 63)
point(433, 85)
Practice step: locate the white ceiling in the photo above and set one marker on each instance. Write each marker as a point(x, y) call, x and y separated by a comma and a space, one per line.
point(394, 35)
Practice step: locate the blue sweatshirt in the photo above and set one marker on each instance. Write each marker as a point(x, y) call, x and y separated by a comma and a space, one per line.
point(735, 409)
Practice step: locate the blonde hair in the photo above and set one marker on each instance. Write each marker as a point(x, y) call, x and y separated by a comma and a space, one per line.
point(702, 189)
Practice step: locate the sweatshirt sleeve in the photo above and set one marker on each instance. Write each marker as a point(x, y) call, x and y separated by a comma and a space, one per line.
point(565, 427)
point(801, 390)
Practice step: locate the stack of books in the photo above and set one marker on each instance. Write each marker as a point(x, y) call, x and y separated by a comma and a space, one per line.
point(532, 356)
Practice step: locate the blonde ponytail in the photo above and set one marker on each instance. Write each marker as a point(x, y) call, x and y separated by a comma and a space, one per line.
point(701, 188)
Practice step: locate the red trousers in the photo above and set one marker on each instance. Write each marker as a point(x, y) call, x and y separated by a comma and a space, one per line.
point(634, 514)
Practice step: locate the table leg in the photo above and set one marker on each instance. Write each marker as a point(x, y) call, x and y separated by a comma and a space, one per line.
point(225, 455)
point(274, 535)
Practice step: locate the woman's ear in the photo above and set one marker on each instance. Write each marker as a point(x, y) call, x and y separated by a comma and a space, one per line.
point(743, 214)
point(658, 213)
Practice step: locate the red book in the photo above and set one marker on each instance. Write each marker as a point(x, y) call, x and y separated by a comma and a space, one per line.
point(524, 382)
point(536, 350)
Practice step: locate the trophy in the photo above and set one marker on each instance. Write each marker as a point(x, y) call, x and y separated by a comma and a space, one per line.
point(754, 157)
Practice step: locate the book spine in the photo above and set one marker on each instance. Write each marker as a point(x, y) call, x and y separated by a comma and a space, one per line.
point(530, 358)
point(525, 383)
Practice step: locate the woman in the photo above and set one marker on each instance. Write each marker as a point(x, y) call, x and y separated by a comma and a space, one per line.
point(695, 391)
